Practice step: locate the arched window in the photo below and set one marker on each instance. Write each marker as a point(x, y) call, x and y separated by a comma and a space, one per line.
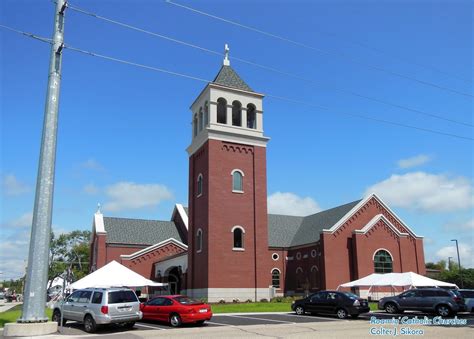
point(195, 125)
point(199, 241)
point(237, 181)
point(314, 277)
point(201, 119)
point(199, 185)
point(236, 113)
point(276, 278)
point(206, 114)
point(383, 262)
point(238, 233)
point(299, 278)
point(251, 116)
point(221, 111)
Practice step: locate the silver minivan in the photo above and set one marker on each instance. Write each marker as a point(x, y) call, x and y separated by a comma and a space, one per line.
point(100, 306)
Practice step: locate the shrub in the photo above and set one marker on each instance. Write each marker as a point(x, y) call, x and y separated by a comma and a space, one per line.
point(248, 300)
point(264, 300)
point(222, 301)
point(236, 300)
point(204, 300)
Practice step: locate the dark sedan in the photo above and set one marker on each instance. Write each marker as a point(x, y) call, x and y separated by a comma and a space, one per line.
point(342, 304)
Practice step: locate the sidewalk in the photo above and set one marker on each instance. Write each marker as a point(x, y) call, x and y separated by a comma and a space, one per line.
point(4, 306)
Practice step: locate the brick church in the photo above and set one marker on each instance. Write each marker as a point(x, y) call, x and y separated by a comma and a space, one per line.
point(225, 245)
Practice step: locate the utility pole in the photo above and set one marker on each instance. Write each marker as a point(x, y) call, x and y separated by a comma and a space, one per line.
point(459, 262)
point(37, 272)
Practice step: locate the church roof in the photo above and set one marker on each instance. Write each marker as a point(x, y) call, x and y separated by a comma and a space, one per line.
point(290, 231)
point(229, 78)
point(139, 231)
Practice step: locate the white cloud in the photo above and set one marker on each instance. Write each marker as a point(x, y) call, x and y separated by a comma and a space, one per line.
point(466, 254)
point(91, 189)
point(467, 225)
point(20, 222)
point(129, 195)
point(92, 164)
point(11, 185)
point(13, 255)
point(425, 192)
point(291, 204)
point(414, 161)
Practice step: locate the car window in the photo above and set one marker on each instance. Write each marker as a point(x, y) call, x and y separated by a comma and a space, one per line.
point(351, 295)
point(441, 293)
point(332, 296)
point(156, 302)
point(186, 300)
point(167, 302)
point(429, 293)
point(124, 296)
point(74, 297)
point(97, 298)
point(316, 297)
point(467, 294)
point(85, 297)
point(409, 294)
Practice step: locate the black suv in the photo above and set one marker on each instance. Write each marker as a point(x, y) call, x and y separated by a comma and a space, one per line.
point(443, 302)
point(342, 304)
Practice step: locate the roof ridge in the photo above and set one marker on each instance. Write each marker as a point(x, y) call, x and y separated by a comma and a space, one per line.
point(140, 219)
point(228, 77)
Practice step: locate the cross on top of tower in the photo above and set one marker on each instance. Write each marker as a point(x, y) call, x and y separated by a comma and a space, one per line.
point(226, 55)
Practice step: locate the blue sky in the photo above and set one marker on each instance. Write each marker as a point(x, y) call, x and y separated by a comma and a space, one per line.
point(123, 130)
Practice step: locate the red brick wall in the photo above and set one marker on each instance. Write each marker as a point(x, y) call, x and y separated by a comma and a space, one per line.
point(348, 257)
point(219, 209)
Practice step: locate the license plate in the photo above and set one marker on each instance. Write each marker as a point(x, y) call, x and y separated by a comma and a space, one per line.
point(203, 310)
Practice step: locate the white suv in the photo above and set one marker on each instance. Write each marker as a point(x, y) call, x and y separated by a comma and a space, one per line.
point(100, 306)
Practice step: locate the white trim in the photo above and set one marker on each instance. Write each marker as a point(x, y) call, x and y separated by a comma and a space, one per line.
point(315, 253)
point(299, 268)
point(314, 266)
point(202, 184)
point(275, 268)
point(238, 226)
point(278, 256)
point(237, 170)
point(298, 255)
point(99, 223)
point(382, 249)
point(238, 249)
point(375, 220)
point(199, 242)
point(180, 209)
point(349, 214)
point(153, 247)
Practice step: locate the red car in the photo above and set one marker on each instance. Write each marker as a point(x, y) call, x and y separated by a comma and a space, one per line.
point(176, 310)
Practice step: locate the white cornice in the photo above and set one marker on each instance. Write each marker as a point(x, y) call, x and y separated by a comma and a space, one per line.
point(153, 247)
point(358, 206)
point(375, 220)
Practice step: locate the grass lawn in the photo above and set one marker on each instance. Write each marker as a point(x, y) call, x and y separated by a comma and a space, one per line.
point(14, 313)
point(251, 307)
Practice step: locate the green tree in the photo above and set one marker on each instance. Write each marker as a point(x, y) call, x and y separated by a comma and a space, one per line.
point(69, 252)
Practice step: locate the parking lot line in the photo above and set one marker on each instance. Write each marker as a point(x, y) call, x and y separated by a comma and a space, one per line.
point(256, 318)
point(316, 317)
point(219, 324)
point(148, 326)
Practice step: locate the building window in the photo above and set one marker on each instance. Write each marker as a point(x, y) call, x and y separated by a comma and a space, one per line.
point(206, 114)
point(201, 119)
point(237, 181)
point(383, 262)
point(251, 116)
point(221, 111)
point(199, 185)
point(276, 278)
point(314, 277)
point(195, 125)
point(299, 278)
point(298, 256)
point(236, 113)
point(313, 253)
point(275, 256)
point(199, 241)
point(238, 234)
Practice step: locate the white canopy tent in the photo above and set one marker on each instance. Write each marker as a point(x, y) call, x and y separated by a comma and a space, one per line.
point(113, 274)
point(393, 280)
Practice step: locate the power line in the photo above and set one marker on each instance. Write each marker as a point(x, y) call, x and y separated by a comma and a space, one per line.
point(29, 35)
point(77, 9)
point(268, 95)
point(339, 54)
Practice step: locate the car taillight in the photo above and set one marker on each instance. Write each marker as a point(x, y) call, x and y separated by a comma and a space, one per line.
point(356, 303)
point(104, 309)
point(457, 299)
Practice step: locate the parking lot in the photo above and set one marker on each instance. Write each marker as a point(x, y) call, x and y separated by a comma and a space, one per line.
point(239, 320)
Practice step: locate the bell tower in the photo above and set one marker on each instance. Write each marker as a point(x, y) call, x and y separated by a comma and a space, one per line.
point(228, 232)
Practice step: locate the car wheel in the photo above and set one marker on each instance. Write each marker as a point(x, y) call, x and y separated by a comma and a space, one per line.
point(443, 310)
point(89, 324)
point(175, 320)
point(341, 313)
point(391, 308)
point(130, 324)
point(299, 310)
point(57, 317)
